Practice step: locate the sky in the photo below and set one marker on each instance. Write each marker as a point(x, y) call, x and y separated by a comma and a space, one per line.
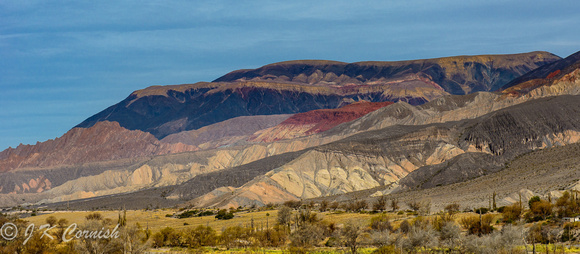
point(63, 61)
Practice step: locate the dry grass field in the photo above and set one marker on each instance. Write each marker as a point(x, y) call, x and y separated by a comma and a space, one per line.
point(157, 220)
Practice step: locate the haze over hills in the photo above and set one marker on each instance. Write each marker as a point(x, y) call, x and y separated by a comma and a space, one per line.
point(305, 129)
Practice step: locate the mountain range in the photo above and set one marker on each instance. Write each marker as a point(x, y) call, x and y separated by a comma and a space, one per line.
point(307, 129)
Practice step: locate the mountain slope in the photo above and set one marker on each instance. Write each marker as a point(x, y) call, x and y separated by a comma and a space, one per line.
point(315, 121)
point(468, 149)
point(171, 109)
point(542, 76)
point(366, 160)
point(102, 142)
point(301, 86)
point(546, 173)
point(227, 132)
point(166, 172)
point(457, 75)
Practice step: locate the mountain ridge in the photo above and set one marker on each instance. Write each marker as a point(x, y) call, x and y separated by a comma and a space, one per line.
point(340, 73)
point(164, 110)
point(343, 153)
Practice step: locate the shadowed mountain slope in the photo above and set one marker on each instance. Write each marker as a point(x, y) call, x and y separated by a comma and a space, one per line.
point(544, 75)
point(171, 109)
point(301, 86)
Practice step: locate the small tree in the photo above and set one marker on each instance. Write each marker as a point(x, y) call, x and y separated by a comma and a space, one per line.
point(51, 220)
point(122, 218)
point(235, 236)
point(533, 200)
point(133, 240)
point(534, 236)
point(323, 206)
point(452, 208)
point(539, 210)
point(512, 237)
point(294, 204)
point(425, 208)
point(394, 204)
point(94, 216)
point(381, 223)
point(477, 225)
point(201, 236)
point(62, 224)
point(414, 205)
point(512, 213)
point(360, 205)
point(450, 235)
point(271, 237)
point(380, 204)
point(421, 237)
point(334, 205)
point(223, 214)
point(307, 235)
point(284, 216)
point(404, 227)
point(351, 234)
point(88, 245)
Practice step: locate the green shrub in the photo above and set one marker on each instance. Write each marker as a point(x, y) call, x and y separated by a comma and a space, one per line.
point(224, 215)
point(187, 214)
point(205, 213)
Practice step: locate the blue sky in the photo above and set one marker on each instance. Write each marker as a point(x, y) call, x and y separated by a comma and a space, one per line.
point(63, 61)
